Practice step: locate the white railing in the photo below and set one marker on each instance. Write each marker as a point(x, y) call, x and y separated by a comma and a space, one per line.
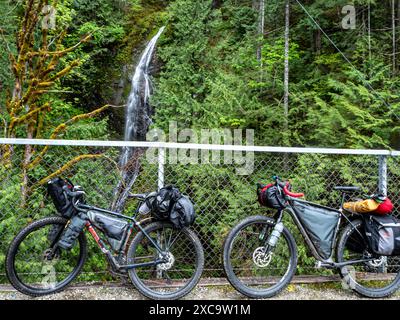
point(162, 146)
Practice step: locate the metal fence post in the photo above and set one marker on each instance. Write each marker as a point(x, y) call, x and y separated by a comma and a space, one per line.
point(383, 175)
point(160, 183)
point(161, 163)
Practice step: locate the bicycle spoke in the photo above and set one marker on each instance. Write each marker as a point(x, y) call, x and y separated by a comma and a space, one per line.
point(171, 244)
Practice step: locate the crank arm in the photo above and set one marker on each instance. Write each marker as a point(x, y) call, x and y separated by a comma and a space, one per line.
point(342, 264)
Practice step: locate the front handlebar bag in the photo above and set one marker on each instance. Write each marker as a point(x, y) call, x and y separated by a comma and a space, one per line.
point(320, 223)
point(60, 199)
point(271, 197)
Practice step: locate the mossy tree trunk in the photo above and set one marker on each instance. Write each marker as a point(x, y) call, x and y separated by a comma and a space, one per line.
point(36, 68)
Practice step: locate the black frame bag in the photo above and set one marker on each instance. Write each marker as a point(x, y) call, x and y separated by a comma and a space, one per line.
point(114, 228)
point(321, 224)
point(383, 234)
point(60, 199)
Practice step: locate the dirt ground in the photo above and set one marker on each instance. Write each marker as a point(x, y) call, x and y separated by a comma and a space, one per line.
point(119, 292)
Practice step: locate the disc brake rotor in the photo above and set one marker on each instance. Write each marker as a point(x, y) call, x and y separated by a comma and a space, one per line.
point(167, 265)
point(377, 262)
point(49, 255)
point(260, 258)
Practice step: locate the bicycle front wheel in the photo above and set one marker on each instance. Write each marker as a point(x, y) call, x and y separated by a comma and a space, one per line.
point(34, 267)
point(377, 278)
point(249, 267)
point(174, 278)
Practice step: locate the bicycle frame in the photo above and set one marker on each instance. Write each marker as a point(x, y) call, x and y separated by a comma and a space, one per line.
point(103, 246)
point(324, 262)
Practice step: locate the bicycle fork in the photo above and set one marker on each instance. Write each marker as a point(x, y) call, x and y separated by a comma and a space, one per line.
point(276, 233)
point(262, 256)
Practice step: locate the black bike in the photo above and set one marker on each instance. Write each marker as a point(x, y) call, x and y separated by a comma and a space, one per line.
point(260, 253)
point(163, 262)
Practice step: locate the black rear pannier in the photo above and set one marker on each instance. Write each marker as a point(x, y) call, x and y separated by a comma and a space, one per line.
point(383, 234)
point(164, 201)
point(320, 223)
point(60, 199)
point(271, 197)
point(183, 213)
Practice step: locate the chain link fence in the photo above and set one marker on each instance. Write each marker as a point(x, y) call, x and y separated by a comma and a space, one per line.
point(219, 179)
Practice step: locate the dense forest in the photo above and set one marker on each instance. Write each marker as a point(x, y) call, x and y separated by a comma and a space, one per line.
point(218, 64)
point(299, 73)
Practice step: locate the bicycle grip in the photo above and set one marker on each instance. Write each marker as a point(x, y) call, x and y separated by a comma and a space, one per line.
point(292, 194)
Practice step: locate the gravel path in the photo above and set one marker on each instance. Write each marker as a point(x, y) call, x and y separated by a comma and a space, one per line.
point(116, 292)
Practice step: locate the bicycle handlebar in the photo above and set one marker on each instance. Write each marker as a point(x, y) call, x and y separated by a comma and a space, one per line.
point(292, 194)
point(73, 194)
point(285, 186)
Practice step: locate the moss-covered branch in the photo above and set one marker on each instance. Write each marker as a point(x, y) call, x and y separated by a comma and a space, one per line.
point(68, 165)
point(62, 127)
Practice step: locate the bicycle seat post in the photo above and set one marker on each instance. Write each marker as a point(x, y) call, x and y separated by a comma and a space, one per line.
point(343, 199)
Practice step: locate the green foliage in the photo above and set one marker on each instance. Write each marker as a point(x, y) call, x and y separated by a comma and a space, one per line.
point(7, 44)
point(207, 75)
point(92, 83)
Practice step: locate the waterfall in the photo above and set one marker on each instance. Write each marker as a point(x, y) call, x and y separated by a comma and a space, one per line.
point(137, 121)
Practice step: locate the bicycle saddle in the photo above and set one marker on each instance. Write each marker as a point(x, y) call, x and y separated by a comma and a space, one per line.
point(347, 188)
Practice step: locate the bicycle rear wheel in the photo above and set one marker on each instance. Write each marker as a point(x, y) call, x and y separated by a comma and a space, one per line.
point(374, 279)
point(248, 268)
point(175, 278)
point(32, 267)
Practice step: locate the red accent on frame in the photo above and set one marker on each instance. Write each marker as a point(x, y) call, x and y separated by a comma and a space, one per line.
point(93, 233)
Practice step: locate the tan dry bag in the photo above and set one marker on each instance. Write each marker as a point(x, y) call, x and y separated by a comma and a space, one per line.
point(363, 206)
